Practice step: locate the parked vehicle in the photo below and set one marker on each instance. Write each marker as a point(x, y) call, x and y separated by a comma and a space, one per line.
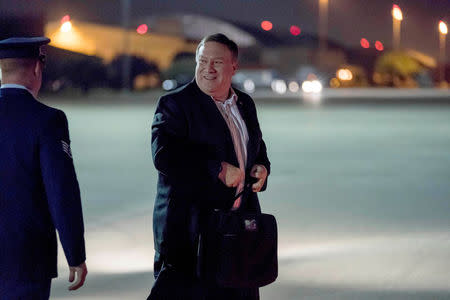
point(251, 80)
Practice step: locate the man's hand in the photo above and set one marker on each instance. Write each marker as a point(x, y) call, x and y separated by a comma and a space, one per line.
point(81, 272)
point(230, 175)
point(260, 173)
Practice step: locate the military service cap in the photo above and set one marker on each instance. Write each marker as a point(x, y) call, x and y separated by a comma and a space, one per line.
point(22, 47)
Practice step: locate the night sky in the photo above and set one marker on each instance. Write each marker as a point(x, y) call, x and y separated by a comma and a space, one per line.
point(349, 20)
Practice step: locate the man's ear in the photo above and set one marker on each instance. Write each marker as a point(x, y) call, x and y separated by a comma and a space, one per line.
point(235, 66)
point(37, 68)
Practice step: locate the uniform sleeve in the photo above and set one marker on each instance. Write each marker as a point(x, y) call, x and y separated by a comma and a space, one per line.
point(61, 186)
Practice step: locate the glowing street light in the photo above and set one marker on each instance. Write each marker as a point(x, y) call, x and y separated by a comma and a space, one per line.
point(379, 46)
point(443, 30)
point(397, 12)
point(295, 30)
point(142, 29)
point(66, 25)
point(364, 43)
point(397, 17)
point(266, 25)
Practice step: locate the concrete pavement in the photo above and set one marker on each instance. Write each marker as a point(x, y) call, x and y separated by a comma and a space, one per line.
point(360, 194)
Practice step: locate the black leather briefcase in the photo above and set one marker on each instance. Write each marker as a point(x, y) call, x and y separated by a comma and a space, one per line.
point(238, 249)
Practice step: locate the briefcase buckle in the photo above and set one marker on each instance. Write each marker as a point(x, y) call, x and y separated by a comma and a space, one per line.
point(250, 225)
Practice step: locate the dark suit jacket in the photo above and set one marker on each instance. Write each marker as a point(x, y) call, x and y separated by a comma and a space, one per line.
point(190, 139)
point(38, 189)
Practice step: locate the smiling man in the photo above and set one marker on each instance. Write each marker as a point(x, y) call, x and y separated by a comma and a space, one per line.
point(206, 144)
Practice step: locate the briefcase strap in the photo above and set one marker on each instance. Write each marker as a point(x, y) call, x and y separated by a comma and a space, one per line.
point(247, 190)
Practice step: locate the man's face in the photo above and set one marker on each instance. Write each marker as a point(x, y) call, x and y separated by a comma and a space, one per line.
point(215, 67)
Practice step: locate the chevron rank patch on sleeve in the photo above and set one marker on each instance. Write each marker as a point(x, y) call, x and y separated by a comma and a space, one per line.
point(66, 148)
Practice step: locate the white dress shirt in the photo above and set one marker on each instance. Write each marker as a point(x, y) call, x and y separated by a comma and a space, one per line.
point(239, 134)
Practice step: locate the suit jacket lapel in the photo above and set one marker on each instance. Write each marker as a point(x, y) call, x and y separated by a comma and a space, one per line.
point(215, 118)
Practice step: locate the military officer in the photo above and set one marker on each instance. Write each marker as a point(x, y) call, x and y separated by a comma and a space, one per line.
point(39, 190)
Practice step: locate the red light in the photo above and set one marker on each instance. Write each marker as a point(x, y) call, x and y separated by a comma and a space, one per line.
point(364, 43)
point(266, 25)
point(142, 29)
point(295, 30)
point(395, 6)
point(65, 19)
point(379, 46)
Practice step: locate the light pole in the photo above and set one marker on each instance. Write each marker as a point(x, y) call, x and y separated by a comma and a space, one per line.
point(126, 62)
point(442, 35)
point(397, 18)
point(323, 24)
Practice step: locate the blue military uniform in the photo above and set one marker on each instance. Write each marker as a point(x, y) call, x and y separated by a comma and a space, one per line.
point(38, 188)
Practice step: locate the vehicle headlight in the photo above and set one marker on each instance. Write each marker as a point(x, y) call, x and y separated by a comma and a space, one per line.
point(249, 86)
point(311, 86)
point(293, 86)
point(316, 86)
point(279, 86)
point(169, 84)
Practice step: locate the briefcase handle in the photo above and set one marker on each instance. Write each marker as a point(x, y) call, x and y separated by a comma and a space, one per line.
point(246, 190)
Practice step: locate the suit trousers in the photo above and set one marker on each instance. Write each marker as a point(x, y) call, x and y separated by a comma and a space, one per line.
point(25, 290)
point(171, 284)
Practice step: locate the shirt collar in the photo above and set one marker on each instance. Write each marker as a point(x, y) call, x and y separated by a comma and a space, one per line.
point(13, 86)
point(231, 100)
point(16, 86)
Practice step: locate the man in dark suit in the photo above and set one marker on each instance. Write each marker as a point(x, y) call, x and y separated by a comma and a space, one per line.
point(206, 143)
point(38, 186)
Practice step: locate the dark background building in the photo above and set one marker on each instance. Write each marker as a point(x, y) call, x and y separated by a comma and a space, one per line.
point(19, 18)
